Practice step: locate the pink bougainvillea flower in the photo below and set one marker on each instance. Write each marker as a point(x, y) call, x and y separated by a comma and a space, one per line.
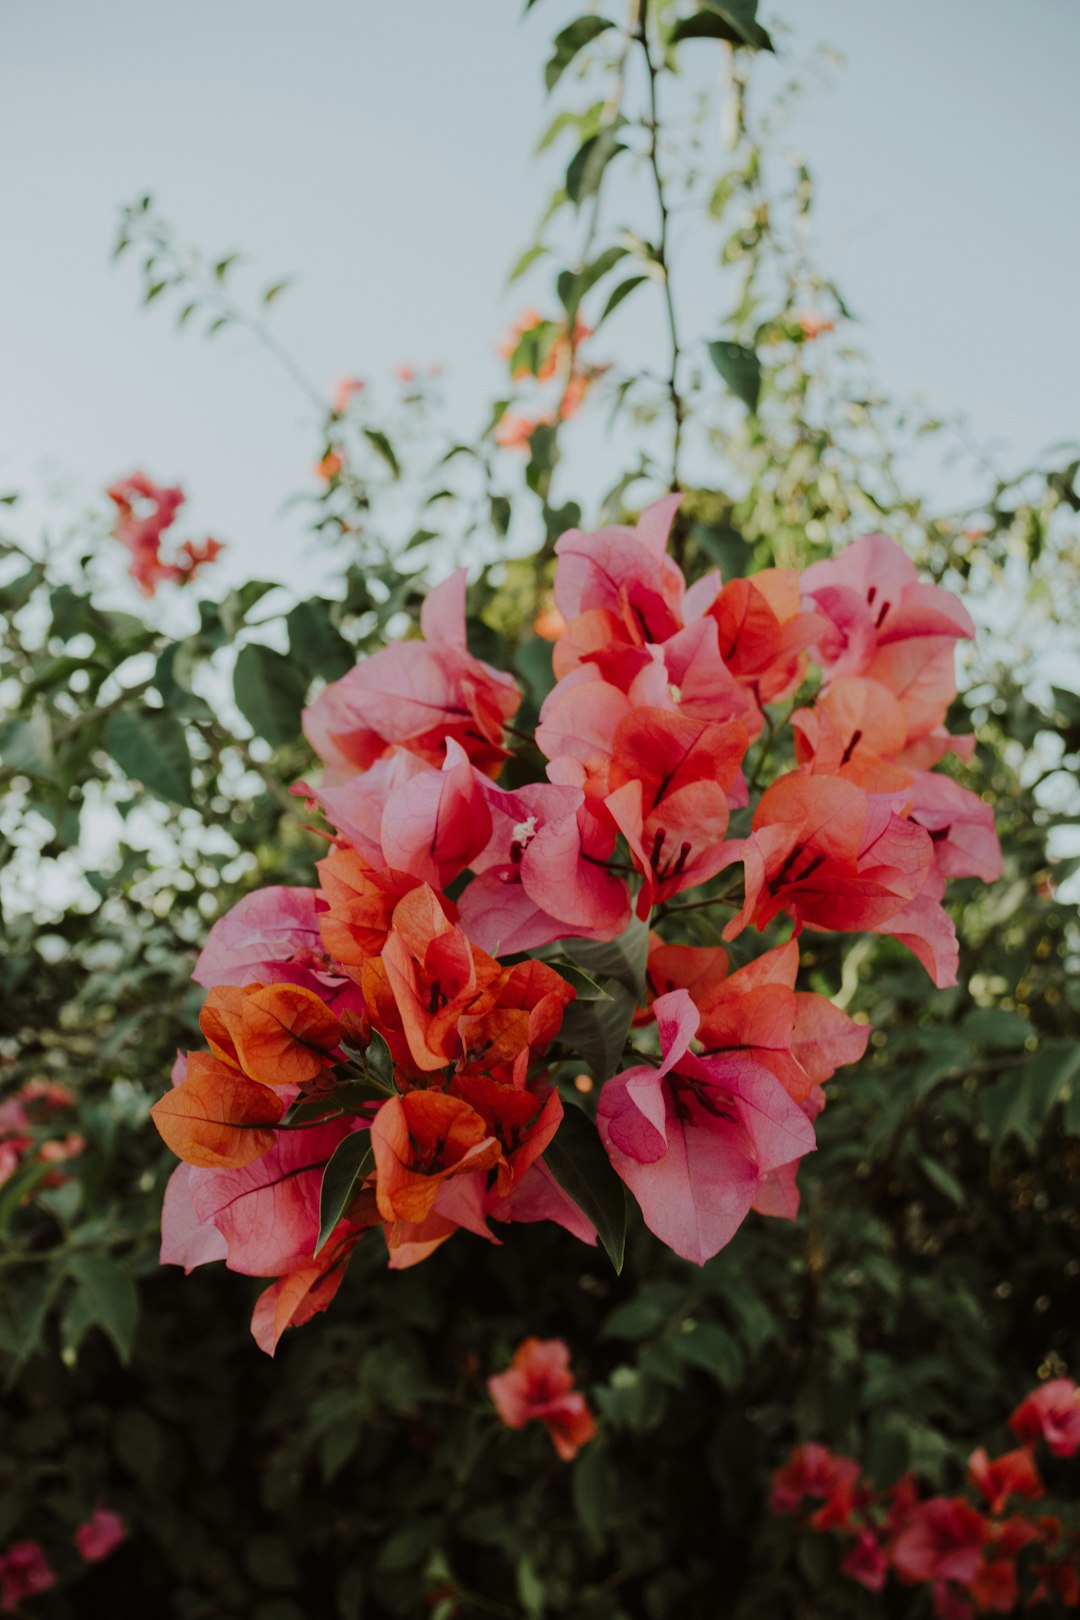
point(538, 1387)
point(811, 1470)
point(764, 632)
point(411, 816)
point(24, 1572)
point(694, 1138)
point(942, 1541)
point(961, 826)
point(624, 572)
point(1012, 1474)
point(515, 1020)
point(670, 778)
point(836, 858)
point(541, 876)
point(266, 1212)
point(1051, 1413)
point(272, 936)
point(303, 1292)
point(100, 1535)
point(872, 597)
point(415, 695)
point(865, 1561)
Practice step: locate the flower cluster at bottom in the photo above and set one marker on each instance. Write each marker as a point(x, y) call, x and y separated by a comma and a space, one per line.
point(988, 1552)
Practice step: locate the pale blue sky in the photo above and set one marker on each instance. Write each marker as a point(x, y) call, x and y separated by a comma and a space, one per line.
point(381, 154)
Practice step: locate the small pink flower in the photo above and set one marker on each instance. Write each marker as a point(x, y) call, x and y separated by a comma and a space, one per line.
point(539, 1385)
point(24, 1571)
point(1051, 1413)
point(102, 1533)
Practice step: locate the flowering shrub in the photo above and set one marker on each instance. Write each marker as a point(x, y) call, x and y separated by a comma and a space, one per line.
point(385, 1049)
point(995, 1554)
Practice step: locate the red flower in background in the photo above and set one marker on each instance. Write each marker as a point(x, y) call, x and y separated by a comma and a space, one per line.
point(101, 1534)
point(24, 1572)
point(539, 1387)
point(1050, 1413)
point(145, 511)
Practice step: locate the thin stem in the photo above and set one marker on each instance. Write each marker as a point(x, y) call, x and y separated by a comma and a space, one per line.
point(663, 252)
point(730, 899)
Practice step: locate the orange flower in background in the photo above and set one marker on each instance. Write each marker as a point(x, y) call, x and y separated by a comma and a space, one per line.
point(345, 392)
point(331, 466)
point(515, 432)
point(145, 511)
point(814, 326)
point(538, 1387)
point(217, 1118)
point(279, 1034)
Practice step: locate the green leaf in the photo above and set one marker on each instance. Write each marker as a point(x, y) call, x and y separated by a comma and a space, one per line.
point(382, 447)
point(623, 290)
point(732, 20)
point(586, 168)
point(530, 1588)
point(269, 690)
point(105, 1297)
point(573, 38)
point(576, 1158)
point(315, 643)
point(584, 985)
point(709, 1346)
point(150, 746)
point(597, 1030)
point(622, 959)
point(939, 1176)
point(593, 1488)
point(350, 1159)
point(525, 262)
point(275, 290)
point(740, 369)
point(572, 287)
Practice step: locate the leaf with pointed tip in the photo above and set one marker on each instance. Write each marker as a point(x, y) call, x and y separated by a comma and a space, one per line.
point(351, 1159)
point(740, 369)
point(576, 1158)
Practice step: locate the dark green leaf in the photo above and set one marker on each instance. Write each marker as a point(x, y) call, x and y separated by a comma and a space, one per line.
point(150, 746)
point(732, 20)
point(593, 1488)
point(586, 168)
point(105, 1297)
point(351, 1158)
point(623, 290)
point(573, 38)
point(315, 643)
point(382, 446)
point(577, 1160)
point(622, 959)
point(270, 691)
point(740, 369)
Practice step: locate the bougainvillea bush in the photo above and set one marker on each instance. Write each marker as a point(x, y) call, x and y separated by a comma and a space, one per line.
point(500, 935)
point(384, 1049)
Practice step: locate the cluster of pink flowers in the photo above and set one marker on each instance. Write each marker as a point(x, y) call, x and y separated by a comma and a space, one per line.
point(990, 1555)
point(538, 1387)
point(21, 1116)
point(401, 1019)
point(144, 513)
point(25, 1569)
